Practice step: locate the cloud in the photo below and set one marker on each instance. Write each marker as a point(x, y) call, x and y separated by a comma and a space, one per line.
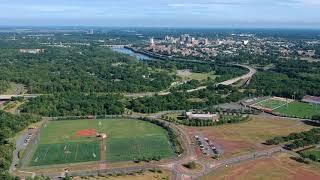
point(248, 3)
point(310, 2)
point(204, 4)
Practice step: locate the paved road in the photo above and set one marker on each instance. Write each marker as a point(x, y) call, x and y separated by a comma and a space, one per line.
point(174, 164)
point(247, 76)
point(8, 97)
point(19, 146)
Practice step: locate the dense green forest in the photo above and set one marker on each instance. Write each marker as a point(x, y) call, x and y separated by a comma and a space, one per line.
point(184, 101)
point(80, 69)
point(287, 79)
point(4, 85)
point(75, 104)
point(9, 125)
point(79, 104)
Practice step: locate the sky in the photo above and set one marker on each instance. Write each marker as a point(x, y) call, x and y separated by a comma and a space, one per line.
point(162, 13)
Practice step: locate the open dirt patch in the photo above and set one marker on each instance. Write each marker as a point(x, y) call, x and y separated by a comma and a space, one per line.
point(240, 138)
point(86, 133)
point(278, 167)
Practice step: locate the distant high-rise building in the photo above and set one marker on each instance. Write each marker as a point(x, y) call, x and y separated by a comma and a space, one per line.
point(245, 42)
point(91, 31)
point(185, 38)
point(151, 41)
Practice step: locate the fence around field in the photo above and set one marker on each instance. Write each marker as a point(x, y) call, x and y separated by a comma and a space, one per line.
point(115, 171)
point(61, 118)
point(33, 143)
point(31, 147)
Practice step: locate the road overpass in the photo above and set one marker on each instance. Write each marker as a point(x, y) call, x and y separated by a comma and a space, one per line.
point(8, 97)
point(116, 46)
point(245, 77)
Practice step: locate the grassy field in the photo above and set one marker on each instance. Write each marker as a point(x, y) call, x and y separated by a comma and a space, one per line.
point(124, 149)
point(271, 103)
point(240, 138)
point(164, 175)
point(187, 75)
point(276, 168)
point(299, 109)
point(65, 153)
point(126, 139)
point(15, 89)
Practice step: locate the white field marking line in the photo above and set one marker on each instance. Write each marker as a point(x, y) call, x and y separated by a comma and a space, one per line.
point(75, 158)
point(66, 154)
point(45, 154)
point(285, 103)
point(258, 103)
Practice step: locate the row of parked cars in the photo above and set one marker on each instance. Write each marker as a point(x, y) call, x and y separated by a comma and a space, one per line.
point(206, 146)
point(26, 141)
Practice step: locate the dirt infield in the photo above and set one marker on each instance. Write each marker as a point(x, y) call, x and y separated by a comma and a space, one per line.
point(86, 133)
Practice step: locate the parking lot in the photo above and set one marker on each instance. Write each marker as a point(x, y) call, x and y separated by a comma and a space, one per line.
point(208, 146)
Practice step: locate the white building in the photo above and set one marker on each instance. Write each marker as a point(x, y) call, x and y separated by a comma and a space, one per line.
point(31, 51)
point(208, 116)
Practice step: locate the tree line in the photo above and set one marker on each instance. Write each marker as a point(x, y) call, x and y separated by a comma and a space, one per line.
point(9, 126)
point(74, 104)
point(222, 120)
point(297, 140)
point(178, 100)
point(288, 79)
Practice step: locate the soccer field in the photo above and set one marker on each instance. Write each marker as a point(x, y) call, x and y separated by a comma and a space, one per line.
point(65, 153)
point(64, 142)
point(299, 110)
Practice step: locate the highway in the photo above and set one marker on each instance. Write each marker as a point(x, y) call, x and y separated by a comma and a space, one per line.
point(247, 76)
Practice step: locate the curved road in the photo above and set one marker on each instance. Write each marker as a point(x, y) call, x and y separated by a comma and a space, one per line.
point(189, 154)
point(174, 165)
point(247, 76)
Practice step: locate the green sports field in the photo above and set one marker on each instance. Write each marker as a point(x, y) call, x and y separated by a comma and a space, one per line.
point(299, 109)
point(65, 153)
point(127, 139)
point(271, 103)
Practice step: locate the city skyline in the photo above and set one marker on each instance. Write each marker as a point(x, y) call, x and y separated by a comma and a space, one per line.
point(162, 13)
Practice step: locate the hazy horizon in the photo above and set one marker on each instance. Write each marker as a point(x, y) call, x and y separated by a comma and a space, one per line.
point(163, 13)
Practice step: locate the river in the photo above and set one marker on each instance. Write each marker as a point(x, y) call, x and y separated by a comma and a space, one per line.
point(139, 56)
